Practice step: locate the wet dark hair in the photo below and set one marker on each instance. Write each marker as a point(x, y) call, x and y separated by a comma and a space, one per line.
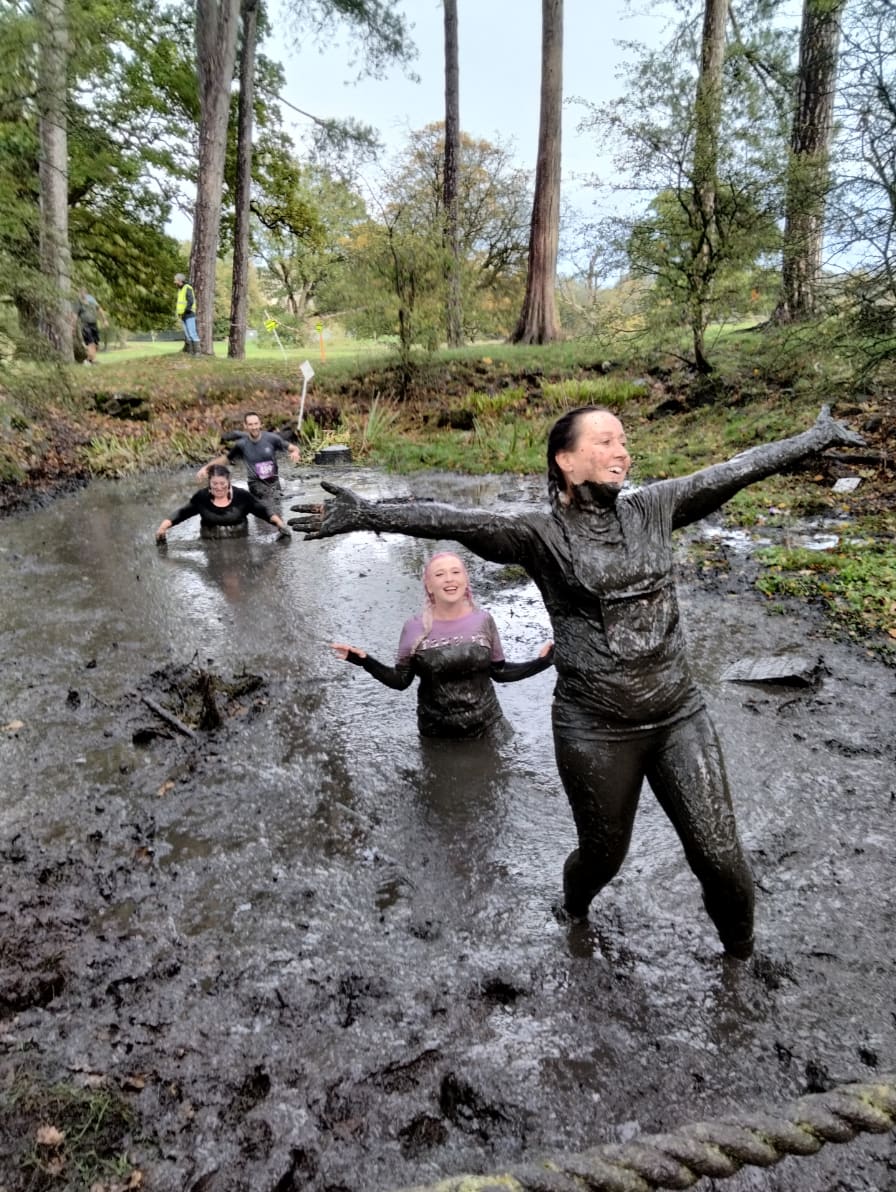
point(219, 470)
point(564, 435)
point(251, 414)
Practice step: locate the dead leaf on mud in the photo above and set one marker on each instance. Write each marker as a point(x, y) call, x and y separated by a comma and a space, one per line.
point(143, 854)
point(134, 1180)
point(13, 726)
point(95, 1080)
point(164, 789)
point(49, 1136)
point(135, 1082)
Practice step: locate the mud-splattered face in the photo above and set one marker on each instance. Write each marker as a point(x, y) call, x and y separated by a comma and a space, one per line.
point(599, 455)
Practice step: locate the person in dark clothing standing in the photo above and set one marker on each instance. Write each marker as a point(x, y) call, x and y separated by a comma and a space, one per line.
point(258, 449)
point(454, 649)
point(89, 314)
point(625, 705)
point(222, 509)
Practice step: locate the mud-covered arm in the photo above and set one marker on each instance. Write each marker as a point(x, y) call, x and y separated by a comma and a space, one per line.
point(707, 490)
point(399, 677)
point(492, 536)
point(191, 509)
point(252, 505)
point(512, 672)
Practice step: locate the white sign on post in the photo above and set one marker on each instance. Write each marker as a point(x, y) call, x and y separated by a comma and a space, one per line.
point(307, 373)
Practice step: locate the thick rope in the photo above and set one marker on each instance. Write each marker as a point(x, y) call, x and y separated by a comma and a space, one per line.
point(714, 1149)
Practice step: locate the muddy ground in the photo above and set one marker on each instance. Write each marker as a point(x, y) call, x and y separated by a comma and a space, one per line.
point(302, 949)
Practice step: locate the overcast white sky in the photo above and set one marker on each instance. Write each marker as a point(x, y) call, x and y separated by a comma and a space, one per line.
point(500, 63)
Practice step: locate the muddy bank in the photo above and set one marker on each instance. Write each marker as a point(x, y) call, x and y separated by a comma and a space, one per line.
point(302, 949)
point(50, 422)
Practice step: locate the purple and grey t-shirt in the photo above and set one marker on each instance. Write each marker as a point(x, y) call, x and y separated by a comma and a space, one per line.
point(259, 455)
point(457, 664)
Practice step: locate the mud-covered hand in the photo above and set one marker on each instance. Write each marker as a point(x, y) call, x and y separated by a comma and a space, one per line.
point(346, 511)
point(836, 432)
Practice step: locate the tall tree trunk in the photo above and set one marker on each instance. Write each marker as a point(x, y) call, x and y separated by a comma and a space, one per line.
point(810, 143)
point(239, 298)
point(216, 33)
point(707, 117)
point(55, 252)
point(454, 315)
point(538, 322)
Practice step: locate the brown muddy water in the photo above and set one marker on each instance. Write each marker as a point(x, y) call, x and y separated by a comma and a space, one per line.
point(314, 953)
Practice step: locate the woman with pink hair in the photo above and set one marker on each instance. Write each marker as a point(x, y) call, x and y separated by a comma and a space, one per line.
point(454, 649)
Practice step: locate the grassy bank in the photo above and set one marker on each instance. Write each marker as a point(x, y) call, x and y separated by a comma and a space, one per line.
point(487, 408)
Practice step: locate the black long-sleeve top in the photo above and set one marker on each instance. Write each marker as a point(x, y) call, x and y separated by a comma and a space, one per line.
point(200, 505)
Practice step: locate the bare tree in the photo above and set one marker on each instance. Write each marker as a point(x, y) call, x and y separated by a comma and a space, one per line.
point(239, 299)
point(55, 251)
point(217, 24)
point(707, 118)
point(538, 321)
point(454, 313)
point(808, 179)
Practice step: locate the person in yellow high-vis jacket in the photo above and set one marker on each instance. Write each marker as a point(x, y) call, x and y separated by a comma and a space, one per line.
point(186, 312)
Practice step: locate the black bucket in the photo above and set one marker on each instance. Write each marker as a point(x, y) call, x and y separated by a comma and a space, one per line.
point(334, 454)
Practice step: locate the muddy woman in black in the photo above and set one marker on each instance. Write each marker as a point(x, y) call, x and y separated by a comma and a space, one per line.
point(455, 651)
point(223, 510)
point(625, 705)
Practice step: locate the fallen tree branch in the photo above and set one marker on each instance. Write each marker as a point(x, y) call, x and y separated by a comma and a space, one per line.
point(168, 717)
point(882, 458)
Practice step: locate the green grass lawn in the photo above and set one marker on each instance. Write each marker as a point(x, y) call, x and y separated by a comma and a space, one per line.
point(341, 348)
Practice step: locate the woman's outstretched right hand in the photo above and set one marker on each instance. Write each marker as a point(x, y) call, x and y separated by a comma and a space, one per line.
point(340, 515)
point(343, 650)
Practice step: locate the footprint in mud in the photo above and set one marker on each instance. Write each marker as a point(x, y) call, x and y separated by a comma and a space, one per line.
point(391, 890)
point(601, 937)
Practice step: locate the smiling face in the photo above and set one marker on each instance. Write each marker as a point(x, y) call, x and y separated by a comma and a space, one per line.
point(220, 488)
point(253, 427)
point(598, 454)
point(447, 585)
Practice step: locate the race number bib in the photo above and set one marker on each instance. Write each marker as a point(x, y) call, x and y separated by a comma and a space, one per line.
point(264, 470)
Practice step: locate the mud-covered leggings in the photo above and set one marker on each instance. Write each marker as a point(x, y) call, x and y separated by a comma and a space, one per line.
point(684, 766)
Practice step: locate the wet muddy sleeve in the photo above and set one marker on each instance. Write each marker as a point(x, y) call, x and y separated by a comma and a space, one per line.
point(191, 509)
point(706, 491)
point(512, 672)
point(397, 677)
point(497, 537)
